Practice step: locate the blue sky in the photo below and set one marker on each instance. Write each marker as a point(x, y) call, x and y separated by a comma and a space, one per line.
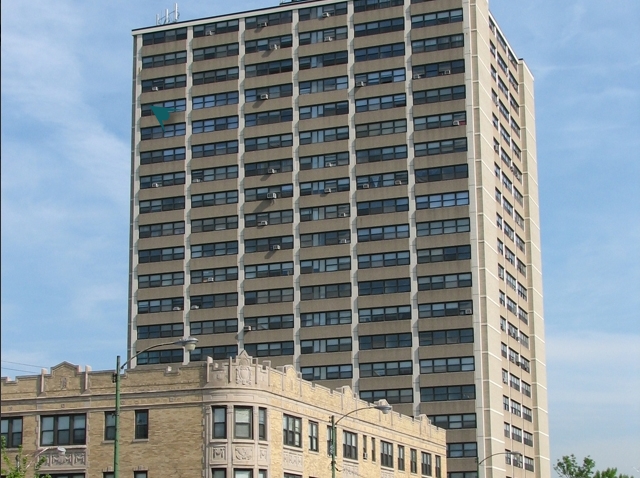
point(66, 106)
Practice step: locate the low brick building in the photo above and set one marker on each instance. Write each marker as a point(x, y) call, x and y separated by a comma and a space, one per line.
point(228, 419)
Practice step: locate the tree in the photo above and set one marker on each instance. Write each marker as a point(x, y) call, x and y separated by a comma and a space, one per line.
point(567, 467)
point(609, 473)
point(23, 461)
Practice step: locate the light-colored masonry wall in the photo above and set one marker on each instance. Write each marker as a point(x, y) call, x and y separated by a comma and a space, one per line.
point(180, 440)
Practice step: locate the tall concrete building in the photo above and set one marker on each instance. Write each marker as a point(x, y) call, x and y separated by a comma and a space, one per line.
point(349, 187)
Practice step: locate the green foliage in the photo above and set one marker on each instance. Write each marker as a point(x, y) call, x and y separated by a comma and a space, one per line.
point(567, 467)
point(609, 473)
point(19, 467)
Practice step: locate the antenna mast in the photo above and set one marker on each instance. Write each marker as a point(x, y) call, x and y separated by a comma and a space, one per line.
point(168, 17)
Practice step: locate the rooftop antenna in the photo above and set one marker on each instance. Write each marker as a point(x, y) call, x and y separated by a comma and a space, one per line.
point(168, 17)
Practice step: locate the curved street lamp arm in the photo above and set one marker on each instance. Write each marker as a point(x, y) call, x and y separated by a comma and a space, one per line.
point(352, 411)
point(499, 453)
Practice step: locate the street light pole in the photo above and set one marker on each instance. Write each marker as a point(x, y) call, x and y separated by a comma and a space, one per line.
point(189, 343)
point(381, 405)
point(478, 463)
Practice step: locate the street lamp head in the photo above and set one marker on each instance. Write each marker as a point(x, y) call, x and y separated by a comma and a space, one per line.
point(62, 450)
point(383, 406)
point(189, 343)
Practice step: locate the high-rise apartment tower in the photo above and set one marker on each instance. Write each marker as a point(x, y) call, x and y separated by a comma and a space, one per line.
point(351, 187)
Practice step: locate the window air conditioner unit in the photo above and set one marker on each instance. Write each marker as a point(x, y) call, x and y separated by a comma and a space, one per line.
point(155, 185)
point(272, 171)
point(275, 247)
point(273, 47)
point(272, 195)
point(247, 328)
point(467, 311)
point(154, 88)
point(263, 223)
point(496, 101)
point(286, 272)
point(197, 180)
point(417, 76)
point(496, 148)
point(210, 33)
point(264, 96)
point(343, 214)
point(364, 186)
point(195, 307)
point(326, 14)
point(327, 190)
point(330, 165)
point(328, 38)
point(397, 182)
point(445, 72)
point(360, 84)
point(176, 309)
point(262, 24)
point(344, 241)
point(365, 455)
point(456, 123)
point(211, 279)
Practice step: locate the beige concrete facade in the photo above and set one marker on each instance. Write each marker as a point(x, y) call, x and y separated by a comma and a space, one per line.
point(216, 419)
point(426, 289)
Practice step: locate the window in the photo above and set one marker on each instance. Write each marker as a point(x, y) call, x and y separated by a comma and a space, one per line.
point(445, 337)
point(436, 228)
point(158, 331)
point(326, 212)
point(11, 431)
point(439, 94)
point(460, 450)
point(219, 422)
point(268, 296)
point(270, 349)
point(136, 474)
point(164, 36)
point(214, 199)
point(175, 105)
point(214, 275)
point(215, 76)
point(268, 244)
point(528, 438)
point(271, 192)
point(325, 265)
point(312, 13)
point(142, 425)
point(164, 229)
point(242, 473)
point(389, 286)
point(291, 430)
point(214, 301)
point(63, 430)
point(386, 369)
point(349, 445)
point(160, 255)
point(166, 59)
point(268, 270)
point(444, 173)
point(214, 149)
point(319, 36)
point(220, 352)
point(452, 364)
point(337, 317)
point(216, 28)
point(454, 422)
point(438, 466)
point(385, 341)
point(390, 259)
point(400, 458)
point(384, 314)
point(167, 83)
point(272, 92)
point(331, 291)
point(325, 161)
point(160, 305)
point(426, 464)
point(313, 436)
point(435, 201)
point(218, 473)
point(528, 463)
point(381, 154)
point(436, 18)
point(162, 156)
point(323, 85)
point(381, 103)
point(445, 309)
point(324, 110)
point(449, 281)
point(169, 131)
point(440, 254)
point(217, 51)
point(242, 422)
point(325, 238)
point(215, 249)
point(365, 5)
point(439, 43)
point(339, 344)
point(268, 167)
point(266, 44)
point(165, 204)
point(378, 129)
point(386, 454)
point(369, 208)
point(440, 121)
point(268, 142)
point(438, 69)
point(441, 147)
point(527, 414)
point(450, 393)
point(161, 356)
point(382, 26)
point(161, 280)
point(214, 124)
point(319, 61)
point(325, 187)
point(214, 224)
point(328, 372)
point(270, 68)
point(324, 135)
point(379, 52)
point(262, 21)
point(222, 326)
point(268, 117)
point(380, 77)
point(364, 447)
point(516, 408)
